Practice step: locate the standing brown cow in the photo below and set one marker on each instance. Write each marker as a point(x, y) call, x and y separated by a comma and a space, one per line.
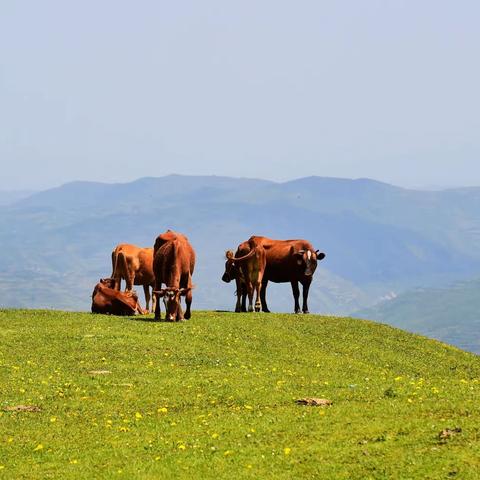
point(173, 265)
point(135, 265)
point(291, 261)
point(249, 270)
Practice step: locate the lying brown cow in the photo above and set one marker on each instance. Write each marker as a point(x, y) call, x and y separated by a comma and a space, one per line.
point(249, 270)
point(135, 265)
point(107, 300)
point(173, 265)
point(291, 261)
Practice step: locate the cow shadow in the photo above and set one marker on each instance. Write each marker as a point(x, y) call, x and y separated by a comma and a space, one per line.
point(144, 318)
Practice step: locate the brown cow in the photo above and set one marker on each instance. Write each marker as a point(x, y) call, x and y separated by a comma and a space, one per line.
point(107, 300)
point(135, 265)
point(249, 272)
point(173, 265)
point(291, 261)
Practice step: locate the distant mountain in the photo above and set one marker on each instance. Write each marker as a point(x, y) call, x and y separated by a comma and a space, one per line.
point(451, 314)
point(378, 238)
point(8, 197)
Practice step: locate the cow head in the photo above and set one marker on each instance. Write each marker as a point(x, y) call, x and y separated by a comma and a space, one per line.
point(108, 282)
point(307, 260)
point(171, 299)
point(230, 267)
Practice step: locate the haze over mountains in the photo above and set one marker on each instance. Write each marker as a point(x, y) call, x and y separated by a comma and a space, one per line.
point(381, 241)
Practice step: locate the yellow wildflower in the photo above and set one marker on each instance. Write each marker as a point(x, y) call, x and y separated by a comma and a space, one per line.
point(287, 451)
point(38, 447)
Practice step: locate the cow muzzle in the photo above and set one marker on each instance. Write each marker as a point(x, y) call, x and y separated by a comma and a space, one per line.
point(226, 278)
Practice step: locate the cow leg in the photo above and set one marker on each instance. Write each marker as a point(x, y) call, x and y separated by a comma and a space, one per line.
point(146, 291)
point(263, 296)
point(296, 295)
point(154, 300)
point(250, 296)
point(180, 316)
point(188, 302)
point(158, 313)
point(258, 289)
point(129, 282)
point(244, 297)
point(306, 288)
point(239, 292)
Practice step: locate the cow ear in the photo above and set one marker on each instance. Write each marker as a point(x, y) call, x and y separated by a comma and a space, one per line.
point(160, 293)
point(320, 256)
point(184, 291)
point(229, 254)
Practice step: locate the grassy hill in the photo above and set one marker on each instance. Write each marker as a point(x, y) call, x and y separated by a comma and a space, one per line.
point(215, 398)
point(451, 314)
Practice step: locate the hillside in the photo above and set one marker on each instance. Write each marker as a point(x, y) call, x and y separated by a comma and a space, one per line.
point(215, 398)
point(378, 238)
point(7, 197)
point(451, 314)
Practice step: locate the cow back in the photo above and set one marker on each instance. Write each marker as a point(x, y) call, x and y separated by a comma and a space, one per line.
point(174, 260)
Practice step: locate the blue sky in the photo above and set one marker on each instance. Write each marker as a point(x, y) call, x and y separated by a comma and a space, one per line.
point(116, 90)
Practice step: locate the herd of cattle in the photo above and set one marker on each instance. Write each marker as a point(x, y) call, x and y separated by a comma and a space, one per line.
point(168, 267)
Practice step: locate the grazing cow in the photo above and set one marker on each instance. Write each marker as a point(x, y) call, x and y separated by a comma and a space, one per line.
point(249, 270)
point(291, 261)
point(135, 265)
point(173, 265)
point(107, 300)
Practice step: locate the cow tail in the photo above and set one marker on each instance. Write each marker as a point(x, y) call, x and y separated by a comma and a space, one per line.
point(122, 263)
point(114, 263)
point(250, 254)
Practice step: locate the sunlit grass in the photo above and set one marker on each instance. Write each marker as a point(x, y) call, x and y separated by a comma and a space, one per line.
point(214, 397)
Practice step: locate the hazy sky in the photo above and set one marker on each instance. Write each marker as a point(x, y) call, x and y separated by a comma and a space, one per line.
point(115, 90)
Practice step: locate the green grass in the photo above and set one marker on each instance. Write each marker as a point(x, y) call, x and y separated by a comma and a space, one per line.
point(215, 398)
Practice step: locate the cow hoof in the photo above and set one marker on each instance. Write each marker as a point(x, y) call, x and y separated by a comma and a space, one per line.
point(187, 315)
point(250, 309)
point(266, 310)
point(157, 319)
point(297, 311)
point(306, 311)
